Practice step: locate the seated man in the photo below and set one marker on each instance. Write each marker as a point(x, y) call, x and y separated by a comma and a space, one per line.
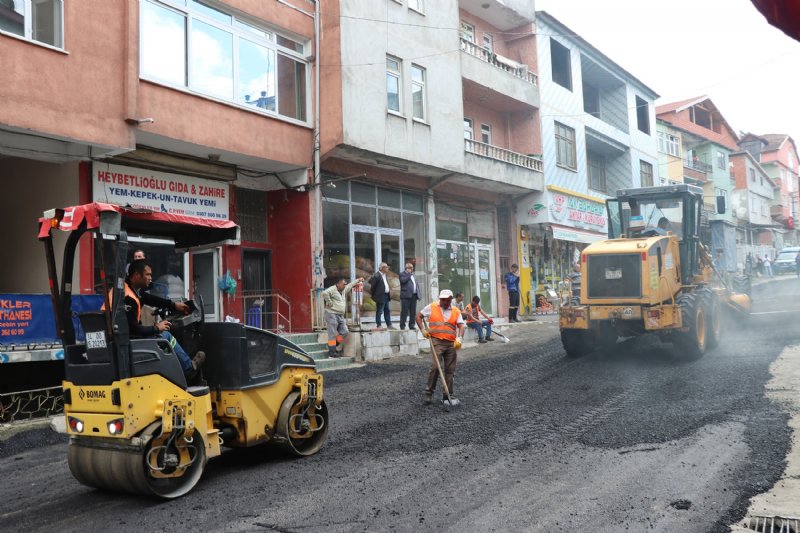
point(664, 226)
point(140, 275)
point(472, 313)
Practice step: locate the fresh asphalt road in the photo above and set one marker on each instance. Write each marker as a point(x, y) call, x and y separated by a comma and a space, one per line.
point(634, 439)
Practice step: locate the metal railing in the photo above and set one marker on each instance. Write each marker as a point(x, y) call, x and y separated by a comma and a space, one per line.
point(270, 310)
point(352, 314)
point(697, 165)
point(30, 404)
point(520, 71)
point(501, 154)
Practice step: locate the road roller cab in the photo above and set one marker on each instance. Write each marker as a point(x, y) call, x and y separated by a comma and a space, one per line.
point(135, 423)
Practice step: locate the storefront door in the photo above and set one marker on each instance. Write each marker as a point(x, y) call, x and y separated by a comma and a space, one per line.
point(468, 268)
point(371, 247)
point(205, 272)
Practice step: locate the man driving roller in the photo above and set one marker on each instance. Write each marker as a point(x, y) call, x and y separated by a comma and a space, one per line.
point(140, 276)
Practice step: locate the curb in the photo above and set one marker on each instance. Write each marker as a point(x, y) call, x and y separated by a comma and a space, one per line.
point(55, 423)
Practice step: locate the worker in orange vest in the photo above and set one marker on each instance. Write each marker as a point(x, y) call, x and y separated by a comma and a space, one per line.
point(445, 329)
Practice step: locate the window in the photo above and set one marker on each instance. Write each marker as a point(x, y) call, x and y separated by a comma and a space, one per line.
point(469, 133)
point(596, 166)
point(418, 91)
point(790, 161)
point(642, 115)
point(721, 160)
point(467, 32)
point(646, 173)
point(565, 146)
point(559, 57)
point(211, 52)
point(488, 42)
point(669, 144)
point(591, 100)
point(486, 134)
point(36, 20)
point(752, 173)
point(251, 214)
point(393, 66)
point(417, 5)
point(762, 180)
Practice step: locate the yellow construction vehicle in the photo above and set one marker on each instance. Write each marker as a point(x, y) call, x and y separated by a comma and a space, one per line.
point(652, 275)
point(134, 422)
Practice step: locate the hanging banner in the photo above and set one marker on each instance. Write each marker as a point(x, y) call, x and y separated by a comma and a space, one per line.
point(557, 205)
point(160, 191)
point(29, 319)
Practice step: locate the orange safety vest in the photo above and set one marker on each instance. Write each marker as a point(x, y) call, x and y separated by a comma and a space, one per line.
point(439, 328)
point(128, 292)
point(473, 315)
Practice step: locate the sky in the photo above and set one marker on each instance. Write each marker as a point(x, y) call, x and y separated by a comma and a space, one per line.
point(724, 49)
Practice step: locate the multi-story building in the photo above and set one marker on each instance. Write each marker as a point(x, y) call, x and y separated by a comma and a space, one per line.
point(201, 109)
point(706, 143)
point(777, 155)
point(670, 153)
point(752, 202)
point(430, 132)
point(598, 134)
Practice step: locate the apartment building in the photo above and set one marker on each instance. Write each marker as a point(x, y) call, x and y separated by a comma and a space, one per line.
point(752, 202)
point(189, 107)
point(599, 135)
point(777, 155)
point(706, 144)
point(429, 133)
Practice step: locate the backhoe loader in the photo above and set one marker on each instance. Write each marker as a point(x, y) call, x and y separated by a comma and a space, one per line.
point(652, 275)
point(135, 424)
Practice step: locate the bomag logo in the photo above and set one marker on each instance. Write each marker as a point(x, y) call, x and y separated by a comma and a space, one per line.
point(91, 394)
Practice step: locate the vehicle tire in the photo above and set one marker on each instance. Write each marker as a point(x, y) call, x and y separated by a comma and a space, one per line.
point(742, 284)
point(693, 342)
point(714, 321)
point(576, 342)
point(302, 428)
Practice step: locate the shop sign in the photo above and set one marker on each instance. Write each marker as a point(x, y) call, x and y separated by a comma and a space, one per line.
point(567, 234)
point(160, 191)
point(583, 212)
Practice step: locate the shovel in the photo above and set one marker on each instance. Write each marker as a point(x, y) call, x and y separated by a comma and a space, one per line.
point(502, 337)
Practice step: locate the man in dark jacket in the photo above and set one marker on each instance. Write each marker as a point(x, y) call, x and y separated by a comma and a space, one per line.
point(409, 295)
point(140, 276)
point(379, 285)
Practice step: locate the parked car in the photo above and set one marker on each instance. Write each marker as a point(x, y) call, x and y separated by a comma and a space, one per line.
point(784, 263)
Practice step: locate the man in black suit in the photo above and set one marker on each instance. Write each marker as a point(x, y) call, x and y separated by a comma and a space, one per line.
point(409, 295)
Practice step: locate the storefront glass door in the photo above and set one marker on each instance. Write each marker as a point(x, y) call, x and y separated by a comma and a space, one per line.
point(371, 247)
point(468, 268)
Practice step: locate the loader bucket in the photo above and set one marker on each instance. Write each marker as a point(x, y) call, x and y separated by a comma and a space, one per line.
point(739, 302)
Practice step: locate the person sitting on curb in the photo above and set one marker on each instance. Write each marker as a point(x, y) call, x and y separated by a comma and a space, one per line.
point(334, 298)
point(472, 313)
point(459, 301)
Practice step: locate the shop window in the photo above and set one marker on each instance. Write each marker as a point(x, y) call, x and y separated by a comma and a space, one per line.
point(364, 216)
point(451, 231)
point(389, 198)
point(336, 256)
point(36, 20)
point(251, 214)
point(412, 202)
point(336, 191)
point(264, 71)
point(362, 193)
point(389, 219)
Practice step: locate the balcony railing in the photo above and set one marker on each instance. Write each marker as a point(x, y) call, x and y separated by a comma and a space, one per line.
point(697, 165)
point(270, 310)
point(512, 67)
point(501, 154)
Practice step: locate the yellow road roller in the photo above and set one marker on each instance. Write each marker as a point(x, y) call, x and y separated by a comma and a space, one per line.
point(135, 424)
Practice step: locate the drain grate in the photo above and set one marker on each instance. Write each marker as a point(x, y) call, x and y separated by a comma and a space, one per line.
point(773, 524)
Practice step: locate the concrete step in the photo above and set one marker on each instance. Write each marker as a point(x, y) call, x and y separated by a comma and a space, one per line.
point(327, 363)
point(302, 338)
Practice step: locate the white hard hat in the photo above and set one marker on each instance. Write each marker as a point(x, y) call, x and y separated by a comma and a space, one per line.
point(446, 293)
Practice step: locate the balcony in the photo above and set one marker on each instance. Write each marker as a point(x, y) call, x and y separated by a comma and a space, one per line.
point(696, 170)
point(518, 86)
point(501, 170)
point(512, 67)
